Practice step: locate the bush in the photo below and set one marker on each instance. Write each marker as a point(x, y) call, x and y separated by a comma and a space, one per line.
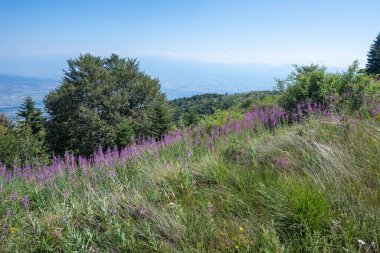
point(20, 145)
point(313, 83)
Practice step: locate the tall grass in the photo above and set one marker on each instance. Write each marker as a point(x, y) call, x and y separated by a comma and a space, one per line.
point(312, 186)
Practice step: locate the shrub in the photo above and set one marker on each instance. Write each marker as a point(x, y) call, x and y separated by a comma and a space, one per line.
point(313, 83)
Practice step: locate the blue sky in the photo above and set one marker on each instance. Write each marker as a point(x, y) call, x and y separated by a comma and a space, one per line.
point(274, 32)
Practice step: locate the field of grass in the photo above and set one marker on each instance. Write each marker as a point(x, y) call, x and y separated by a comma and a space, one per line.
point(311, 186)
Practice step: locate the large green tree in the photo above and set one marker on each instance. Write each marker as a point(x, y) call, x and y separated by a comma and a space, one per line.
point(94, 100)
point(30, 115)
point(373, 63)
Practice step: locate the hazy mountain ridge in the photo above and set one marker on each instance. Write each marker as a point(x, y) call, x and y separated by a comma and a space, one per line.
point(179, 78)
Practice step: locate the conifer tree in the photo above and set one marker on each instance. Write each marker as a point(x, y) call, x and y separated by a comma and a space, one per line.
point(160, 117)
point(373, 62)
point(31, 115)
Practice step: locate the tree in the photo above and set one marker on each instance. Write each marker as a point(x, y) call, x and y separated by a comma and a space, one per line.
point(160, 117)
point(373, 62)
point(94, 98)
point(125, 135)
point(31, 115)
point(191, 117)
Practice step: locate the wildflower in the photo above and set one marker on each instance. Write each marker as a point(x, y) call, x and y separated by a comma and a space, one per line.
point(336, 223)
point(211, 208)
point(14, 197)
point(361, 243)
point(65, 194)
point(113, 173)
point(282, 163)
point(8, 212)
point(12, 230)
point(241, 229)
point(142, 212)
point(236, 246)
point(373, 246)
point(25, 202)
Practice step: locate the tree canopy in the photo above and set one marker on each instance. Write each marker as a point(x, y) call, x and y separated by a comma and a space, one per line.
point(94, 100)
point(373, 63)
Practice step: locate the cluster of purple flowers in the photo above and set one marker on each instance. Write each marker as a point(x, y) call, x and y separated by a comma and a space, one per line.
point(110, 159)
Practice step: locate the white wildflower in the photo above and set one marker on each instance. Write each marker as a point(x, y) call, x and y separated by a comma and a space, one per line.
point(361, 243)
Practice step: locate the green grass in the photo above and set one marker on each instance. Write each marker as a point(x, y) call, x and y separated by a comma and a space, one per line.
point(233, 197)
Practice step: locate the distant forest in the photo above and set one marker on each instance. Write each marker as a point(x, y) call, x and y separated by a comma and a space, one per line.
point(189, 110)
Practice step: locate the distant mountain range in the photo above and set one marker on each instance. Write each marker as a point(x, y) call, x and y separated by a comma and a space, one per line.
point(179, 78)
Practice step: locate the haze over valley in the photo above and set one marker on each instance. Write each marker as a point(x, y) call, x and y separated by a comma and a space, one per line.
point(178, 77)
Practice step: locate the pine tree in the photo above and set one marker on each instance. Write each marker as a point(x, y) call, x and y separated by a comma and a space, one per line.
point(125, 135)
point(31, 115)
point(373, 63)
point(160, 117)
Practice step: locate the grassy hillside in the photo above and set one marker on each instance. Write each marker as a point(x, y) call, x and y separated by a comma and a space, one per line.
point(259, 184)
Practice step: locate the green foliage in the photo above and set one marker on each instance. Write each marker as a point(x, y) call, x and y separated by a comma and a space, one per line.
point(191, 117)
point(31, 115)
point(325, 200)
point(303, 84)
point(160, 117)
point(296, 207)
point(313, 83)
point(125, 134)
point(95, 96)
point(190, 111)
point(18, 145)
point(373, 63)
point(220, 117)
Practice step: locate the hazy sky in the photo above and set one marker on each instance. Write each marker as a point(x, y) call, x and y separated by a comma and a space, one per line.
point(276, 32)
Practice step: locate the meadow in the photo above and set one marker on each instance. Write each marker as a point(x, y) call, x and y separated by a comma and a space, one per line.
point(269, 181)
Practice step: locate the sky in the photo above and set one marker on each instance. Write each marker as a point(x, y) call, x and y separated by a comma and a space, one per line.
point(276, 32)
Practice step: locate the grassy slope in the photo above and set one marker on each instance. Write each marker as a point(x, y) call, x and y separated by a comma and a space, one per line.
point(309, 187)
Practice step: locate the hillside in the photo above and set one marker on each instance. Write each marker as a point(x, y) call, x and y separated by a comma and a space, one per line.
point(293, 170)
point(255, 185)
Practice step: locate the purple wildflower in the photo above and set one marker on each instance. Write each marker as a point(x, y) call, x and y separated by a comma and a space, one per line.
point(282, 163)
point(14, 197)
point(211, 209)
point(65, 194)
point(25, 202)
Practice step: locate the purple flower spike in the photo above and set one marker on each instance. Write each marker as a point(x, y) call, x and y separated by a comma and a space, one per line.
point(282, 163)
point(25, 202)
